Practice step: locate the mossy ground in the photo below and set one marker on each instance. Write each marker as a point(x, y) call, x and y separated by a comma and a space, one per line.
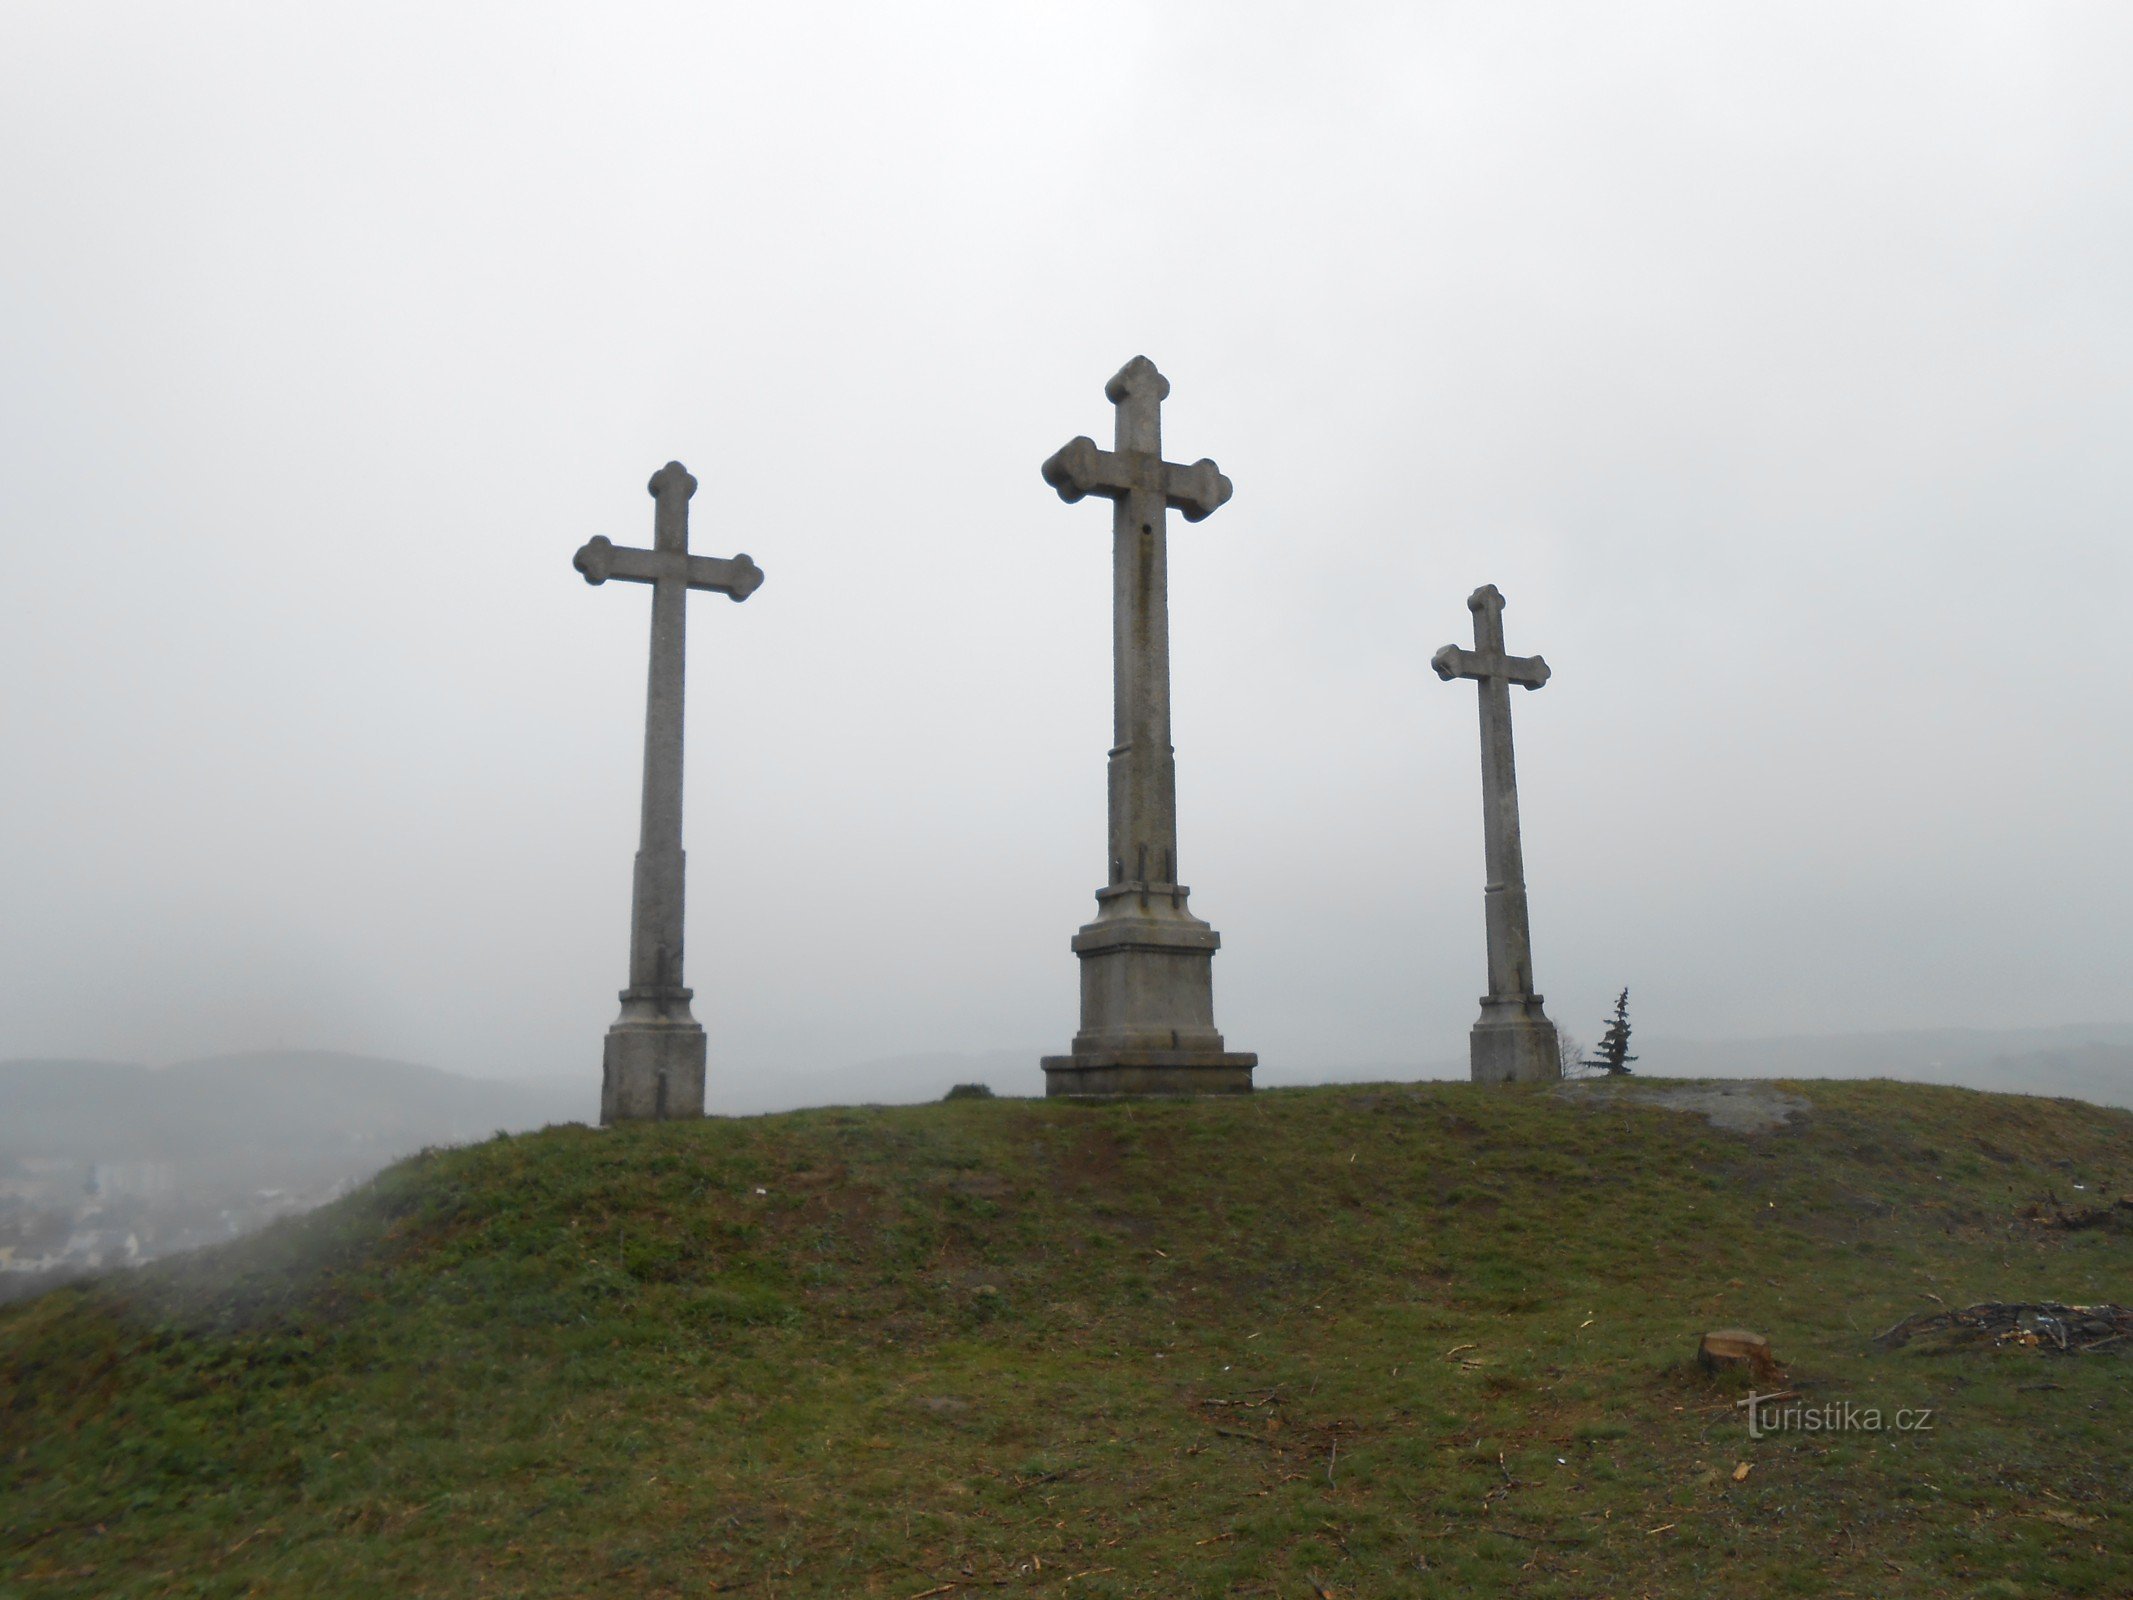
point(1358, 1341)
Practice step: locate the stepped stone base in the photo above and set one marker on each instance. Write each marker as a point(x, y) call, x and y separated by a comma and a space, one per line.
point(652, 1072)
point(1147, 1002)
point(1514, 1042)
point(1149, 1072)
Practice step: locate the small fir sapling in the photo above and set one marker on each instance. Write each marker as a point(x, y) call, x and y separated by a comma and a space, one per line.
point(1613, 1055)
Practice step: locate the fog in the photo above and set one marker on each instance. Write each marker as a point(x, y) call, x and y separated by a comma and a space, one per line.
point(1773, 361)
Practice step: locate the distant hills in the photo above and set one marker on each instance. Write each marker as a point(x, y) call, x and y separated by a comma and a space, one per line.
point(2092, 1061)
point(263, 1116)
point(273, 1108)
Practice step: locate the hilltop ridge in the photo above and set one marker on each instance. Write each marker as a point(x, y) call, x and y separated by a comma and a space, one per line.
point(1377, 1339)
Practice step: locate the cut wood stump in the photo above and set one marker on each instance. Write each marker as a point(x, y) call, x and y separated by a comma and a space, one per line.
point(1732, 1349)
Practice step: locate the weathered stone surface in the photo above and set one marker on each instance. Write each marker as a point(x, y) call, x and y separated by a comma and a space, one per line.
point(1147, 977)
point(652, 1068)
point(1149, 1072)
point(1513, 1041)
point(653, 1065)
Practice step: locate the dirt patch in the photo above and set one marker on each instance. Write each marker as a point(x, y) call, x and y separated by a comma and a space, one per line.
point(941, 1405)
point(1737, 1107)
point(2049, 1326)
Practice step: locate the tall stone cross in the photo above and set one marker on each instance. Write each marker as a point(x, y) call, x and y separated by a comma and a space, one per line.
point(654, 1061)
point(1147, 973)
point(1514, 1041)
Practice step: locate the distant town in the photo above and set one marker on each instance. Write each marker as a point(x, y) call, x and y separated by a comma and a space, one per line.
point(108, 1165)
point(62, 1217)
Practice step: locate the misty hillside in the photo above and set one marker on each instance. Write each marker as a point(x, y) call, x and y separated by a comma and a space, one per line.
point(2091, 1062)
point(106, 1163)
point(295, 1104)
point(1384, 1340)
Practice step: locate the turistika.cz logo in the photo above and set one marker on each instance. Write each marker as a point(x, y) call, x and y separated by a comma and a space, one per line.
point(1784, 1412)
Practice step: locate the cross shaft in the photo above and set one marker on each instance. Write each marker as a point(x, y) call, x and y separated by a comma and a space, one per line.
point(1142, 487)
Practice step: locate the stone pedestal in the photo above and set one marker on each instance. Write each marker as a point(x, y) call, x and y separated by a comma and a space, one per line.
point(1514, 1042)
point(1147, 1002)
point(652, 1068)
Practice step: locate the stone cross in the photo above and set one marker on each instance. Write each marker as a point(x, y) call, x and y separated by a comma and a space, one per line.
point(654, 1060)
point(1147, 977)
point(1514, 1041)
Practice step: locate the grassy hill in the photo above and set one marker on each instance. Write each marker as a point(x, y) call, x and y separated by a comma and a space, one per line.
point(1355, 1341)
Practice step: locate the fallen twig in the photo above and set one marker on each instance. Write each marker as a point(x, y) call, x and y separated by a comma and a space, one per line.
point(1544, 1538)
point(1270, 1398)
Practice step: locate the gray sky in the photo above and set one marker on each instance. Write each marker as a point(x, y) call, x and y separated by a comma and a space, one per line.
point(1773, 359)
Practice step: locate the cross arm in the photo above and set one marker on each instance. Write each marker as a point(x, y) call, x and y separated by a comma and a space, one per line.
point(602, 559)
point(1081, 468)
point(1452, 662)
point(1198, 490)
point(736, 578)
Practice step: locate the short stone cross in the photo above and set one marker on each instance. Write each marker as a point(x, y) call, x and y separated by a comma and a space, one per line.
point(1514, 1041)
point(1147, 976)
point(654, 1060)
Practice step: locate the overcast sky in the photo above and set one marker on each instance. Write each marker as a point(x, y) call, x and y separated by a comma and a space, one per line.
point(1772, 359)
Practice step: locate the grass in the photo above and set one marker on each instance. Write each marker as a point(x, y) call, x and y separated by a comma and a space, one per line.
point(1358, 1341)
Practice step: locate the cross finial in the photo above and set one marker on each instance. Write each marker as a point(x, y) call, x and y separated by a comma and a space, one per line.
point(1136, 379)
point(669, 479)
point(671, 487)
point(1080, 468)
point(1486, 603)
point(1488, 659)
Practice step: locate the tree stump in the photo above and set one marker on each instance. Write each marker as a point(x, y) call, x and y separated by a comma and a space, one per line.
point(1726, 1349)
